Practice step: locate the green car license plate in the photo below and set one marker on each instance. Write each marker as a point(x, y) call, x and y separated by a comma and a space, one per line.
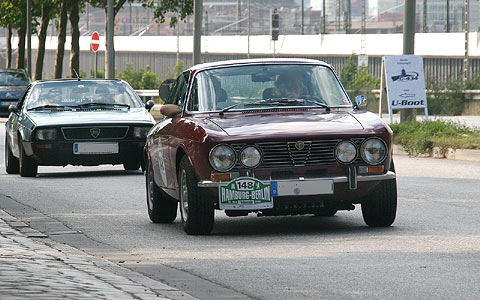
point(245, 193)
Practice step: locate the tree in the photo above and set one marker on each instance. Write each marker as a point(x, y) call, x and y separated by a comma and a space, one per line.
point(180, 8)
point(75, 49)
point(62, 34)
point(48, 11)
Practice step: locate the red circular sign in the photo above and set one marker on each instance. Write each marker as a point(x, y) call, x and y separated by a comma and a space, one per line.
point(95, 43)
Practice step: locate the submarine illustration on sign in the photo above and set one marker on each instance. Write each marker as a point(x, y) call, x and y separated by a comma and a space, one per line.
point(404, 76)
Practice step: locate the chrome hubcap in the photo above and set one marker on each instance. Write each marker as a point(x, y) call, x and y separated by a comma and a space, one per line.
point(184, 195)
point(150, 184)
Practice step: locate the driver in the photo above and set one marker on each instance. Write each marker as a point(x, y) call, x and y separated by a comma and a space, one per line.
point(289, 85)
point(102, 93)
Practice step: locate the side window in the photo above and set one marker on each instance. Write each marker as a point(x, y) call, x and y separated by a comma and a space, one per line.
point(193, 103)
point(182, 89)
point(171, 96)
point(22, 100)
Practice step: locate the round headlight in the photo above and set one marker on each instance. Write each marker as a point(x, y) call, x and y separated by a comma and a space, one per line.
point(346, 152)
point(373, 151)
point(222, 158)
point(250, 157)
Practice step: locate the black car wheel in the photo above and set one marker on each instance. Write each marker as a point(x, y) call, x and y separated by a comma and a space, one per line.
point(28, 167)
point(11, 162)
point(380, 207)
point(196, 207)
point(160, 209)
point(131, 165)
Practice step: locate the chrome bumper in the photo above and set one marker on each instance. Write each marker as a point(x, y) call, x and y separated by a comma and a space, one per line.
point(339, 179)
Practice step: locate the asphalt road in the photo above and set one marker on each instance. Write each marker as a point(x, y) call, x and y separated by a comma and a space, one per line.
point(431, 252)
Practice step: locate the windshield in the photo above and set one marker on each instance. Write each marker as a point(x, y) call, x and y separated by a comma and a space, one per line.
point(247, 87)
point(12, 78)
point(76, 93)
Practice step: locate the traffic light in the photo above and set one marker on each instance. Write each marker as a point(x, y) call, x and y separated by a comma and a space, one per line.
point(275, 25)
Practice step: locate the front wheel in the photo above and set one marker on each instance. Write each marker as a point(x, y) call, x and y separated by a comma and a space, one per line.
point(28, 167)
point(196, 207)
point(160, 209)
point(379, 209)
point(11, 162)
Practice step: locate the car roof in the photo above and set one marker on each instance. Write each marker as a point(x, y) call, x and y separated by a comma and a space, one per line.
point(74, 79)
point(256, 61)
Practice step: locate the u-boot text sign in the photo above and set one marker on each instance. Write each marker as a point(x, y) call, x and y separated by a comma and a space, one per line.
point(404, 81)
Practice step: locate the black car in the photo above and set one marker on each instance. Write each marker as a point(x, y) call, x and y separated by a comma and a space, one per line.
point(13, 83)
point(76, 122)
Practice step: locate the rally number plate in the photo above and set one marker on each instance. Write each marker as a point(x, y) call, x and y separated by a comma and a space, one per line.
point(245, 193)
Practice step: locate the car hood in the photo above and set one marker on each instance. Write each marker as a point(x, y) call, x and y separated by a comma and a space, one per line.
point(309, 123)
point(49, 118)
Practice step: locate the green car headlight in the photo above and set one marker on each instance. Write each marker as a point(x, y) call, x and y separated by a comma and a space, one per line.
point(140, 132)
point(46, 134)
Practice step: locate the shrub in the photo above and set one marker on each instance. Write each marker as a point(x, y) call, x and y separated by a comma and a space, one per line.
point(143, 79)
point(421, 137)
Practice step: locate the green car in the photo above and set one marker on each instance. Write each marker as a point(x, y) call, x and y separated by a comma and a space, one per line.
point(76, 122)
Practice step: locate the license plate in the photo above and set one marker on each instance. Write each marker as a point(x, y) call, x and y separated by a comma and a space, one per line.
point(95, 148)
point(245, 193)
point(302, 187)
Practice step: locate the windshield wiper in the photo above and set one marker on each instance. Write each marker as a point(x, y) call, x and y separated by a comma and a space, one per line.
point(101, 104)
point(48, 106)
point(282, 101)
point(229, 108)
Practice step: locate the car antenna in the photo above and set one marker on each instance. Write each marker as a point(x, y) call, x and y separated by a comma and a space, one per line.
point(78, 77)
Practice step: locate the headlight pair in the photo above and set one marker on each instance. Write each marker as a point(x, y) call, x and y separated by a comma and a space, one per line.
point(140, 132)
point(373, 151)
point(46, 134)
point(223, 157)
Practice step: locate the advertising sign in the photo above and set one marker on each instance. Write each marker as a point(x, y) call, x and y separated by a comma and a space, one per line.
point(404, 81)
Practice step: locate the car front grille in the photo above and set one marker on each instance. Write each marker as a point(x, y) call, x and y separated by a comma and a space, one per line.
point(285, 154)
point(95, 132)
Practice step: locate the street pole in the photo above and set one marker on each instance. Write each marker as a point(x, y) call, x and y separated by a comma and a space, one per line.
point(424, 25)
point(248, 38)
point(467, 29)
point(303, 17)
point(324, 15)
point(448, 17)
point(110, 57)
point(197, 30)
point(408, 47)
point(29, 38)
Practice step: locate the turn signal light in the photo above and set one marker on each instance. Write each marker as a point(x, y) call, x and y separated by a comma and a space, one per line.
point(375, 169)
point(220, 176)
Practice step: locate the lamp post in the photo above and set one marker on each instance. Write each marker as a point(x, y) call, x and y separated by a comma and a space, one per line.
point(197, 30)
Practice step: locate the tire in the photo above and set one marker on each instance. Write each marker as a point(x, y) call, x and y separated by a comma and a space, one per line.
point(160, 209)
point(196, 207)
point(28, 167)
point(131, 165)
point(11, 162)
point(329, 212)
point(380, 207)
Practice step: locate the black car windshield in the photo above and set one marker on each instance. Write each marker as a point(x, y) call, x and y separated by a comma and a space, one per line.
point(266, 86)
point(84, 94)
point(13, 78)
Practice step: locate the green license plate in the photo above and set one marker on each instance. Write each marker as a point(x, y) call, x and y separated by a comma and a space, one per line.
point(245, 193)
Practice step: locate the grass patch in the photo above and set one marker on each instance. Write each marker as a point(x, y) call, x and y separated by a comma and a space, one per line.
point(421, 137)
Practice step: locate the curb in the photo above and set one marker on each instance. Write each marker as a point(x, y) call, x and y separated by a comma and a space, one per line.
point(472, 155)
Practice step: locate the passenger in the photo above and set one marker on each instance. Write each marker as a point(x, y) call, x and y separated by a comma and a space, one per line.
point(103, 95)
point(54, 96)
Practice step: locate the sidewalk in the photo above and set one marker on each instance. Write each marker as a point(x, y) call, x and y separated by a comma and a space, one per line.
point(33, 267)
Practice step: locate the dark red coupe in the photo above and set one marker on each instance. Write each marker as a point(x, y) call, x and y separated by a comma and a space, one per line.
point(266, 136)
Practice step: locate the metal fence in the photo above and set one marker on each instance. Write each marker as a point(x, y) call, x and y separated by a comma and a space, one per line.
point(438, 70)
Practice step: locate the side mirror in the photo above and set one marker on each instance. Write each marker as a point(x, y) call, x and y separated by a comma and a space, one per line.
point(13, 109)
point(170, 110)
point(360, 101)
point(149, 104)
point(165, 88)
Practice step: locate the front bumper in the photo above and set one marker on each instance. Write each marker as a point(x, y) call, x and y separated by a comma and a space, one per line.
point(60, 153)
point(338, 179)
